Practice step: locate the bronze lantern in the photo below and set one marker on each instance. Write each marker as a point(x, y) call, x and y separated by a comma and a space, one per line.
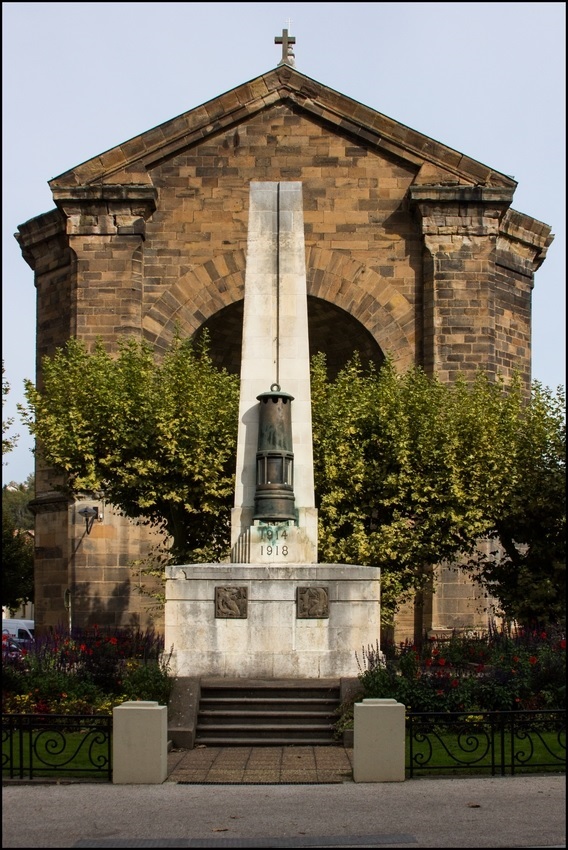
point(274, 494)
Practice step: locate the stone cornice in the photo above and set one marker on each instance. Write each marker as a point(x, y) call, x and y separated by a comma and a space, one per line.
point(49, 502)
point(525, 229)
point(522, 241)
point(129, 193)
point(106, 210)
point(38, 235)
point(460, 210)
point(524, 236)
point(437, 194)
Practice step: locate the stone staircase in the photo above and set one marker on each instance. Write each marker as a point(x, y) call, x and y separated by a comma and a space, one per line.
point(253, 713)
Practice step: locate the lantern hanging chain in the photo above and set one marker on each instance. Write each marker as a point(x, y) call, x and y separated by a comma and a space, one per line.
point(278, 283)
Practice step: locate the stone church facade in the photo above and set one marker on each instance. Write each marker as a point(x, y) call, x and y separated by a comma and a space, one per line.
point(412, 249)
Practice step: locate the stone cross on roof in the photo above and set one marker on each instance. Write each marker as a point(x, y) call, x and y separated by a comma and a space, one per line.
point(287, 52)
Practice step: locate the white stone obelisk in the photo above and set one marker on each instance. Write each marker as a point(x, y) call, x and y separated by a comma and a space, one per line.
point(275, 352)
point(272, 611)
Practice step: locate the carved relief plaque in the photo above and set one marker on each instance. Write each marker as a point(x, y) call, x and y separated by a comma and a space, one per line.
point(312, 602)
point(231, 603)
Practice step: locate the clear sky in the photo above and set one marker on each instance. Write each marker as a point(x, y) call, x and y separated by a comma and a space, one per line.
point(487, 79)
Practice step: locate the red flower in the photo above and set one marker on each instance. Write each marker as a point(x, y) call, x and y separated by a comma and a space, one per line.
point(441, 661)
point(439, 693)
point(480, 668)
point(455, 683)
point(113, 640)
point(562, 644)
point(543, 635)
point(428, 662)
point(533, 659)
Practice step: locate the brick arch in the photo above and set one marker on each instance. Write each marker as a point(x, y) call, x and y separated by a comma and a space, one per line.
point(201, 293)
point(361, 303)
point(369, 298)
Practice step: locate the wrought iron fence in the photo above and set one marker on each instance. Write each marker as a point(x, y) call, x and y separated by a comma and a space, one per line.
point(494, 742)
point(36, 745)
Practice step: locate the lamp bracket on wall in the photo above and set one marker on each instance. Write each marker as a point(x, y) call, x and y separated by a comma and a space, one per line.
point(90, 515)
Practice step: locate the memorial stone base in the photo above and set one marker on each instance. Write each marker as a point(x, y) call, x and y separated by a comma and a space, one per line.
point(270, 620)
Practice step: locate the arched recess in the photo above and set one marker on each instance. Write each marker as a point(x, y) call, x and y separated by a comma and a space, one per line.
point(350, 307)
point(330, 329)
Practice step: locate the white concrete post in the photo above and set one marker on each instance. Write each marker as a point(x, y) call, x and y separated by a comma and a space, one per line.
point(139, 743)
point(379, 734)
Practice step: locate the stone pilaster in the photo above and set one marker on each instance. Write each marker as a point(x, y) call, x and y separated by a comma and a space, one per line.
point(460, 228)
point(105, 230)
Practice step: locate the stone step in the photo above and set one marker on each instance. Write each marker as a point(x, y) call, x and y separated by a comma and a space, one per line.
point(299, 696)
point(284, 735)
point(267, 727)
point(272, 741)
point(260, 705)
point(256, 715)
point(276, 695)
point(260, 721)
point(266, 712)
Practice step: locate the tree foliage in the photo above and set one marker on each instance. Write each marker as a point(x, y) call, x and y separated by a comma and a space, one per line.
point(8, 443)
point(15, 502)
point(157, 438)
point(411, 472)
point(17, 564)
point(17, 544)
point(527, 570)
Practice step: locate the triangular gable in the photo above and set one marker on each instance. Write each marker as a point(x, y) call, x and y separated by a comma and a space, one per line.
point(131, 161)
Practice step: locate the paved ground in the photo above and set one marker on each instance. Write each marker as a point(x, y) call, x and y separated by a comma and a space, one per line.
point(284, 765)
point(285, 797)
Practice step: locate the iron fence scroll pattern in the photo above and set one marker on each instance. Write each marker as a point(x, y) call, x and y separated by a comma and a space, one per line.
point(36, 745)
point(494, 742)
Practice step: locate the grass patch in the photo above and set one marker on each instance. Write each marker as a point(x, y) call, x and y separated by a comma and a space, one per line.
point(470, 753)
point(46, 753)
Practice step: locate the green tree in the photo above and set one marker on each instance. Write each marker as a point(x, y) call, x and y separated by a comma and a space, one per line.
point(8, 443)
point(411, 472)
point(527, 570)
point(15, 502)
point(17, 564)
point(17, 544)
point(157, 438)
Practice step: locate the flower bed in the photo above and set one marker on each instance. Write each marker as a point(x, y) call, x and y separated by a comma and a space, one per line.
point(501, 671)
point(87, 671)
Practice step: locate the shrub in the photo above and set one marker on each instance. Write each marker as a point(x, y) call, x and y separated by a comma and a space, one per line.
point(86, 671)
point(500, 671)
